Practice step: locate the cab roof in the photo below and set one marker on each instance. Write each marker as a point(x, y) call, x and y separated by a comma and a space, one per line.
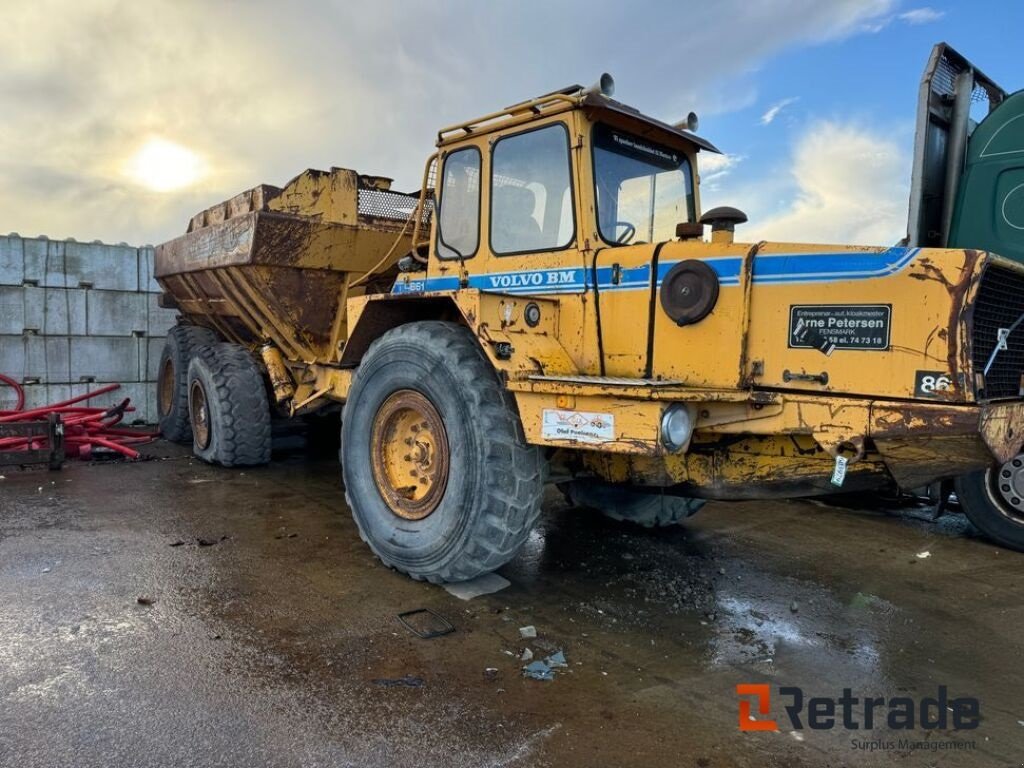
point(565, 99)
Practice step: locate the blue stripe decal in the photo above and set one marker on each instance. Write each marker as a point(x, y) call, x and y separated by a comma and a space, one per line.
point(769, 269)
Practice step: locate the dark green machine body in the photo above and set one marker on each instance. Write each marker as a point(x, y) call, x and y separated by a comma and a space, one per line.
point(989, 212)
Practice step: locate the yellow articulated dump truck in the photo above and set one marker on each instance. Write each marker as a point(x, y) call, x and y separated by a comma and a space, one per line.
point(547, 309)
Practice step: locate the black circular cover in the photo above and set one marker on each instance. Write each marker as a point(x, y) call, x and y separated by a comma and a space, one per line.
point(689, 291)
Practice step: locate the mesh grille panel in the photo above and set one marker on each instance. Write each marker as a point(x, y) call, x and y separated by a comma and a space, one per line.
point(999, 303)
point(384, 204)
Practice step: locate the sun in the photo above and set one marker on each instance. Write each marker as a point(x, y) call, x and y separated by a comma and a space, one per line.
point(164, 166)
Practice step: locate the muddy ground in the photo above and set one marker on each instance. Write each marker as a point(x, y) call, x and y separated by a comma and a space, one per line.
point(267, 632)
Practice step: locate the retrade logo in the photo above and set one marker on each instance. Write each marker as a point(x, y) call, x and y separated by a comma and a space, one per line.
point(854, 713)
point(762, 694)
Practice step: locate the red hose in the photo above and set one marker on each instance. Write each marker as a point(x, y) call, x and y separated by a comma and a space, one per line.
point(17, 390)
point(85, 427)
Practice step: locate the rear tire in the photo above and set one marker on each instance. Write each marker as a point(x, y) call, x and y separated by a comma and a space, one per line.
point(172, 379)
point(981, 499)
point(228, 408)
point(440, 479)
point(648, 508)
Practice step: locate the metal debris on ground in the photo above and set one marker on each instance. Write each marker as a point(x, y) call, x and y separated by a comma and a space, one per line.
point(435, 625)
point(545, 670)
point(557, 659)
point(538, 670)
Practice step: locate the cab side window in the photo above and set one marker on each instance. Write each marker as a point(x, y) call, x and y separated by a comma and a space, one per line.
point(458, 225)
point(531, 192)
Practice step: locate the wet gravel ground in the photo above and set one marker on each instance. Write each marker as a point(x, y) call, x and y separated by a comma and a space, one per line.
point(266, 633)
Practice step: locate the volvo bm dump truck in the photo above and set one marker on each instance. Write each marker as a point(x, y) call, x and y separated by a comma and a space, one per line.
point(546, 309)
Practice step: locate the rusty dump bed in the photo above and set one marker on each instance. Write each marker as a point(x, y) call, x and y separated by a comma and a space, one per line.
point(278, 263)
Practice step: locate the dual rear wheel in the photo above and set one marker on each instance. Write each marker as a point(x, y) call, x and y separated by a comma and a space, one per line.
point(213, 394)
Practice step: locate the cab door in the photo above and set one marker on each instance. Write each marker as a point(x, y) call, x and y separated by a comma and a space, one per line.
point(531, 219)
point(642, 188)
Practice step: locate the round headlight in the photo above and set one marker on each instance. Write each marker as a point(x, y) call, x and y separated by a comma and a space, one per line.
point(676, 427)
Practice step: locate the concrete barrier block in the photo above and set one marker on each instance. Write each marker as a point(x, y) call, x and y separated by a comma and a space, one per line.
point(34, 300)
point(65, 311)
point(12, 358)
point(44, 263)
point(12, 261)
point(104, 359)
point(154, 348)
point(54, 311)
point(12, 310)
point(115, 313)
point(103, 267)
point(46, 359)
point(147, 282)
point(160, 320)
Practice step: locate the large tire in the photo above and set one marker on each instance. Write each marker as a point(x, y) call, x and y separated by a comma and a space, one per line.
point(228, 408)
point(172, 379)
point(981, 498)
point(474, 484)
point(647, 507)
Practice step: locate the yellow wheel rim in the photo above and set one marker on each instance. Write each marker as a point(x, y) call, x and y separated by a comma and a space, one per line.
point(410, 453)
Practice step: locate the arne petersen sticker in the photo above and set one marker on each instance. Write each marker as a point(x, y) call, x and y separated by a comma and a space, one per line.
point(580, 426)
point(844, 326)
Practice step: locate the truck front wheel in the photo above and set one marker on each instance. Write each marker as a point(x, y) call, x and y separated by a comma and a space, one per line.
point(993, 500)
point(439, 477)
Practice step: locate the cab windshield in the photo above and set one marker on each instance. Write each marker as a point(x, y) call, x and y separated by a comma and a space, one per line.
point(643, 188)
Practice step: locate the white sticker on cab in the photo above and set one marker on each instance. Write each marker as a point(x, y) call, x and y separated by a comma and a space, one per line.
point(578, 426)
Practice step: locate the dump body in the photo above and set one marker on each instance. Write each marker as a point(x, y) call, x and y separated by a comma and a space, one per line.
point(278, 264)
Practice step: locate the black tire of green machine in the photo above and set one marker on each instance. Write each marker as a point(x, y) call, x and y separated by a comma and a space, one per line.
point(625, 504)
point(182, 340)
point(236, 401)
point(981, 503)
point(496, 479)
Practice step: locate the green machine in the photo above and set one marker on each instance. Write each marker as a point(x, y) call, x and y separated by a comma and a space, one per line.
point(989, 211)
point(967, 185)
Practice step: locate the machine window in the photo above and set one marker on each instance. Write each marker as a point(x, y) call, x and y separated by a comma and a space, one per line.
point(458, 225)
point(643, 188)
point(531, 198)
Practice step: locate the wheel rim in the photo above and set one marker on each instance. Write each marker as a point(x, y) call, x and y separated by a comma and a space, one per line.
point(199, 414)
point(1008, 484)
point(410, 453)
point(165, 387)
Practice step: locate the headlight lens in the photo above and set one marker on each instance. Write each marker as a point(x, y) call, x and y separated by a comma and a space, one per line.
point(676, 427)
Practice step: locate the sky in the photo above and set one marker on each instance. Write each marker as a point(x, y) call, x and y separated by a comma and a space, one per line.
point(121, 119)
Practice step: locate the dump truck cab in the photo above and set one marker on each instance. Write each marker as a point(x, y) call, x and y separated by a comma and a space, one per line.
point(550, 310)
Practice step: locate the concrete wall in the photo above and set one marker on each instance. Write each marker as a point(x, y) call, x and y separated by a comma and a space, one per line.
point(75, 316)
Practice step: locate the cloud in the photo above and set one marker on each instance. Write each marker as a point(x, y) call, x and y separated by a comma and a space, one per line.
point(713, 168)
point(258, 91)
point(774, 110)
point(848, 185)
point(917, 16)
